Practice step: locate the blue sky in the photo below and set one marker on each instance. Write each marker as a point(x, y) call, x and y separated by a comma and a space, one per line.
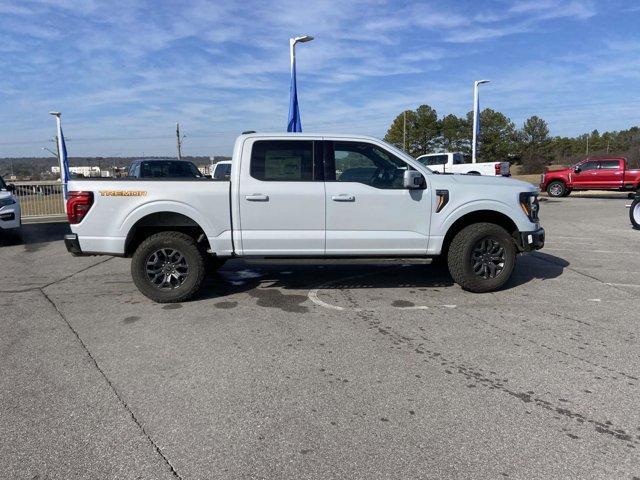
point(123, 73)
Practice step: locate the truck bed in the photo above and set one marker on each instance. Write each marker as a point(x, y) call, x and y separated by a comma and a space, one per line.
point(118, 205)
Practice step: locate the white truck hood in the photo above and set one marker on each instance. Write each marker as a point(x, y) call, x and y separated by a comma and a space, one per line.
point(493, 181)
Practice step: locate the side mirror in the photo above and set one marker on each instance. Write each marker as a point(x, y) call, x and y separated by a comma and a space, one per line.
point(11, 188)
point(412, 179)
point(577, 169)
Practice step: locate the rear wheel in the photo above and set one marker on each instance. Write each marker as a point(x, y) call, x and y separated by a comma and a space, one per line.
point(634, 213)
point(168, 267)
point(556, 189)
point(567, 193)
point(481, 257)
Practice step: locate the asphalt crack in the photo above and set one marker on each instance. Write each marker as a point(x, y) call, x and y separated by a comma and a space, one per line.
point(67, 277)
point(109, 383)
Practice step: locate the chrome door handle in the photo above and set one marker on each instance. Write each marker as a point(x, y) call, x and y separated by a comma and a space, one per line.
point(257, 197)
point(343, 198)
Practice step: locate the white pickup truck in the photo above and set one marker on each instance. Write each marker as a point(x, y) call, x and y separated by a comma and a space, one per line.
point(303, 195)
point(458, 162)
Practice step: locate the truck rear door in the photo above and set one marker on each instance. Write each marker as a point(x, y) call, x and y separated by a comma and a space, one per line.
point(610, 174)
point(281, 198)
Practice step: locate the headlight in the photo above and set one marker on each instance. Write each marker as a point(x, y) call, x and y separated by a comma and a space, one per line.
point(6, 201)
point(530, 205)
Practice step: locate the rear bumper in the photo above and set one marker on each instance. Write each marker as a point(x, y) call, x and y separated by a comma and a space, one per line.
point(530, 241)
point(73, 245)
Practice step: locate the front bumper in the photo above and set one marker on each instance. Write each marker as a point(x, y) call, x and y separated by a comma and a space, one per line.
point(9, 218)
point(529, 241)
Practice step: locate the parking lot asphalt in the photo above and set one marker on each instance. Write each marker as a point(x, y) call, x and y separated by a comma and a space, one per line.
point(351, 369)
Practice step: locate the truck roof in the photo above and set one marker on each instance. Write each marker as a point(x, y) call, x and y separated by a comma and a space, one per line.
point(308, 135)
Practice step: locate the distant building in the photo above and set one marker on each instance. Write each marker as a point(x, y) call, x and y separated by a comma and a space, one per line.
point(83, 171)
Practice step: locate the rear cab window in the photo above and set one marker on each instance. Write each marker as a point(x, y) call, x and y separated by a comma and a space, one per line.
point(432, 160)
point(222, 171)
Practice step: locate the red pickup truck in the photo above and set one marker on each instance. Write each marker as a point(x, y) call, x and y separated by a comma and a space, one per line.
point(602, 173)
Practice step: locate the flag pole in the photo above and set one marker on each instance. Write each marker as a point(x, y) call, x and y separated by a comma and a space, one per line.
point(62, 154)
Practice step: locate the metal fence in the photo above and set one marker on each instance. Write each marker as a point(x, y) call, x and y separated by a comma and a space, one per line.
point(40, 199)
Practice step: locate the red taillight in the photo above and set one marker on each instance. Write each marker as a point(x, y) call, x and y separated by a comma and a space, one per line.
point(498, 168)
point(78, 205)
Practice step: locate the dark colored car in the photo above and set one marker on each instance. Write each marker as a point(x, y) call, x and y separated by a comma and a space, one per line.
point(163, 168)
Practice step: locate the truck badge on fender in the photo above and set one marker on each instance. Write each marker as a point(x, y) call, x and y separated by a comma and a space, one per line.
point(123, 193)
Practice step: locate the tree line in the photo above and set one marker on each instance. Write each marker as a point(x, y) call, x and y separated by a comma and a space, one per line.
point(530, 146)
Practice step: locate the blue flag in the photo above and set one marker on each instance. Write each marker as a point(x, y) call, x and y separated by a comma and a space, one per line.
point(294, 124)
point(64, 160)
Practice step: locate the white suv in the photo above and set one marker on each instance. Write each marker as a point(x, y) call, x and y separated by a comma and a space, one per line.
point(9, 208)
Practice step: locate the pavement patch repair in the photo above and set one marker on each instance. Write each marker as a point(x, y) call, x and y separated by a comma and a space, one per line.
point(352, 369)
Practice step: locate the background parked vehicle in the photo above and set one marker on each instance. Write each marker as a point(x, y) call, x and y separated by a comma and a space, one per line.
point(458, 162)
point(163, 168)
point(222, 170)
point(10, 217)
point(634, 212)
point(294, 195)
point(602, 173)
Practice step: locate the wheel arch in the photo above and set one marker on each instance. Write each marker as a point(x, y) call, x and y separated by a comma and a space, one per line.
point(479, 216)
point(164, 221)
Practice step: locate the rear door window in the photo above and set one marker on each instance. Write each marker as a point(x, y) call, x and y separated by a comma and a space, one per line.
point(609, 164)
point(282, 160)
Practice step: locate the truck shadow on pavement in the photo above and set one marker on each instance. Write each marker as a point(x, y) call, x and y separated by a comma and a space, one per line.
point(33, 234)
point(240, 276)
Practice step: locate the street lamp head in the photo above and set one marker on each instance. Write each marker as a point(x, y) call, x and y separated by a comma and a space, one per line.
point(480, 82)
point(55, 114)
point(302, 39)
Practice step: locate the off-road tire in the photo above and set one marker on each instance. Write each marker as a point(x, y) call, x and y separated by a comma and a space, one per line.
point(460, 257)
point(634, 213)
point(556, 189)
point(195, 262)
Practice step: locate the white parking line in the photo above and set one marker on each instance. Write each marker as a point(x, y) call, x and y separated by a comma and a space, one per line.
point(590, 251)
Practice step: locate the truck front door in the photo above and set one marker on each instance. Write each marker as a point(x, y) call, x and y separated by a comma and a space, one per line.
point(368, 210)
point(281, 198)
point(585, 178)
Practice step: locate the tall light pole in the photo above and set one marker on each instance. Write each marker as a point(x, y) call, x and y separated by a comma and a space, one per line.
point(294, 124)
point(476, 118)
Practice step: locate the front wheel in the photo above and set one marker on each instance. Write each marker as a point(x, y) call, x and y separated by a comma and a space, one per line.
point(634, 213)
point(168, 267)
point(556, 189)
point(481, 257)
